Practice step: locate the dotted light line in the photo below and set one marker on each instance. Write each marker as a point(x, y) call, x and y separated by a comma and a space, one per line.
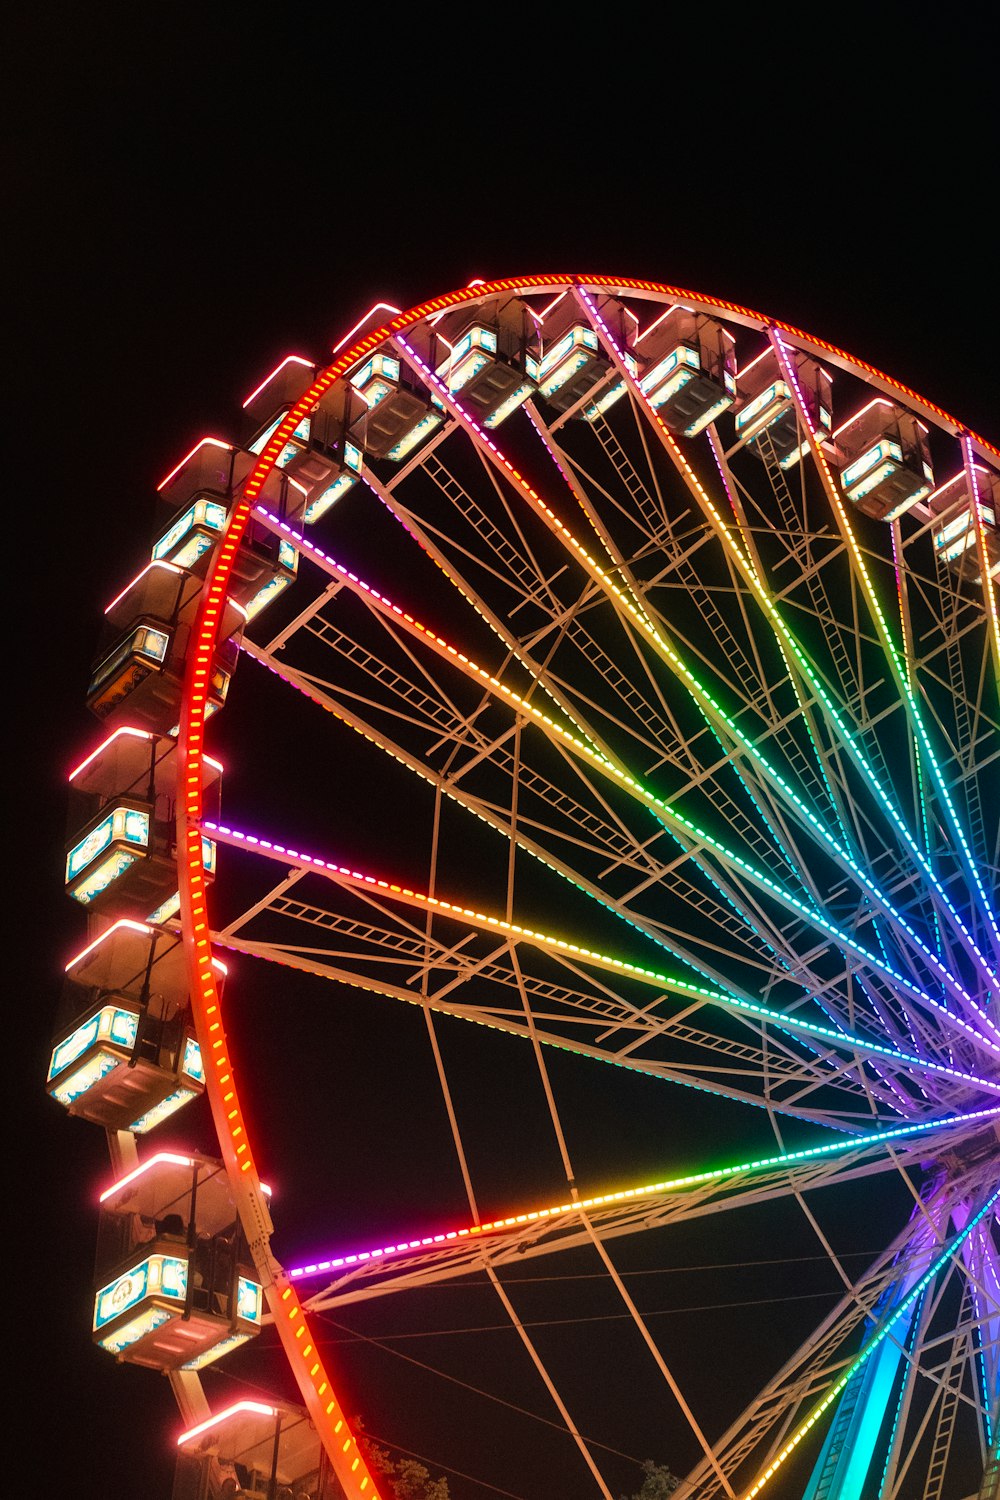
point(888, 643)
point(676, 1184)
point(751, 575)
point(791, 1024)
point(867, 1351)
point(607, 768)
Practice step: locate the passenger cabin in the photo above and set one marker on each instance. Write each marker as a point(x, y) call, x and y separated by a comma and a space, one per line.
point(395, 418)
point(954, 528)
point(125, 1055)
point(688, 369)
point(266, 1446)
point(767, 418)
point(138, 679)
point(885, 460)
point(204, 485)
point(318, 463)
point(573, 367)
point(492, 357)
point(122, 854)
point(175, 1284)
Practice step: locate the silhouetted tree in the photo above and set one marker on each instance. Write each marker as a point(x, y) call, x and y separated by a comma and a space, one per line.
point(403, 1478)
point(658, 1484)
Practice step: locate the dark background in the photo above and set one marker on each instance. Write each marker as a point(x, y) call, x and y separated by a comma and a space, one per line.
point(189, 200)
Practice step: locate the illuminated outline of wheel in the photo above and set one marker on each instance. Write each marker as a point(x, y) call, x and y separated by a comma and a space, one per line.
point(913, 937)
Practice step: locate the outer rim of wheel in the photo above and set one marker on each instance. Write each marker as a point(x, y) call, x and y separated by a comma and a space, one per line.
point(228, 1116)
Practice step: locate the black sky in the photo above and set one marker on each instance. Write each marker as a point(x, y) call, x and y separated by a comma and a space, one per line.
point(191, 200)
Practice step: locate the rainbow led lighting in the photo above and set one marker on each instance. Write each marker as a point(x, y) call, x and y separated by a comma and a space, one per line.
point(892, 653)
point(700, 694)
point(710, 709)
point(663, 808)
point(648, 1190)
point(801, 658)
point(817, 1411)
point(794, 1025)
point(289, 1316)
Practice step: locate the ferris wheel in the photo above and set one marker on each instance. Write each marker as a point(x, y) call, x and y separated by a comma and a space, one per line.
point(660, 642)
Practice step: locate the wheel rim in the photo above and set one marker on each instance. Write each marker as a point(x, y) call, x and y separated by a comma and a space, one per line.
point(960, 916)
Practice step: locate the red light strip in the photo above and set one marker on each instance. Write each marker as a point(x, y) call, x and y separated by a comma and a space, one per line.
point(220, 1086)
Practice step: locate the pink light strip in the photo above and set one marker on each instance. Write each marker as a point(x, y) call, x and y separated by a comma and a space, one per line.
point(169, 1157)
point(206, 442)
point(387, 306)
point(139, 734)
point(122, 922)
point(223, 1416)
point(290, 359)
point(168, 566)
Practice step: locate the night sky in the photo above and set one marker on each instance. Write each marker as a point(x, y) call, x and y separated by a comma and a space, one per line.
point(189, 207)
